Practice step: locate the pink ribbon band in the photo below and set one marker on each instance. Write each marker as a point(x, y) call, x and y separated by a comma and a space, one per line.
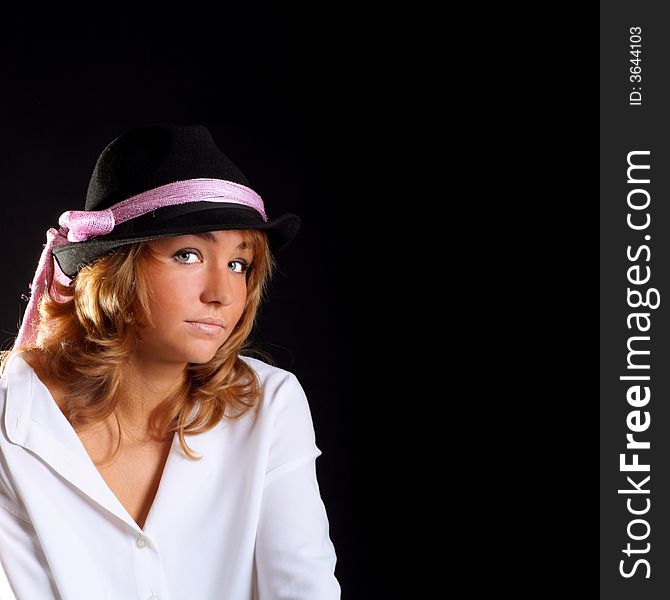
point(82, 225)
point(79, 226)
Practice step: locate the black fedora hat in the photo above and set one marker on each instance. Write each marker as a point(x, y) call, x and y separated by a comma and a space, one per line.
point(154, 156)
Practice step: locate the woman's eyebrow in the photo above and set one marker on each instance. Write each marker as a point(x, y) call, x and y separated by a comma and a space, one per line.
point(209, 237)
point(206, 236)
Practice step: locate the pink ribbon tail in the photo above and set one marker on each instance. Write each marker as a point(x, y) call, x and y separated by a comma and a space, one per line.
point(42, 281)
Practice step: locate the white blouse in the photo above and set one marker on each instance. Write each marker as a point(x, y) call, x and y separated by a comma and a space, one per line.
point(245, 522)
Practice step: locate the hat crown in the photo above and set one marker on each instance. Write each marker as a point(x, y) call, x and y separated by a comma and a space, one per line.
point(151, 156)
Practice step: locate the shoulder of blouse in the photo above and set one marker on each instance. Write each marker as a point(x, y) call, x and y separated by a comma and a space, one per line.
point(281, 388)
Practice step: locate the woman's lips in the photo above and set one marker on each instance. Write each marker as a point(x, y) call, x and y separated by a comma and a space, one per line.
point(208, 328)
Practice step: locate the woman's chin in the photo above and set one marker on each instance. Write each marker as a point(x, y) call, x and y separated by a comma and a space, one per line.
point(202, 356)
point(201, 360)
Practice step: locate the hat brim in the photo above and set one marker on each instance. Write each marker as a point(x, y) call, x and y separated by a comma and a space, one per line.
point(196, 217)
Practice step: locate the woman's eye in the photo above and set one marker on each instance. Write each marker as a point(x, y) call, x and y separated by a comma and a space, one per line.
point(183, 256)
point(239, 266)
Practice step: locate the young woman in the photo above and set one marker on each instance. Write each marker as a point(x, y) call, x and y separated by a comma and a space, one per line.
point(142, 455)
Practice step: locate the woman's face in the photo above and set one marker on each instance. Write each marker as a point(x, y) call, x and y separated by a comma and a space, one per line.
point(198, 290)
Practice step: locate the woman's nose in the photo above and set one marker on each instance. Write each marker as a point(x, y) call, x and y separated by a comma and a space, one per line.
point(218, 286)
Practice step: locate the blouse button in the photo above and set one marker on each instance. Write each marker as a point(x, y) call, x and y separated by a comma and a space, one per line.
point(140, 542)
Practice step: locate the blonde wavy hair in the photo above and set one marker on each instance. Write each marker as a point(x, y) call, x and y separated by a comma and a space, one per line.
point(86, 336)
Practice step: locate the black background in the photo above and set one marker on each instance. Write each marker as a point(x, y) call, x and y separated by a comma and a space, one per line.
point(288, 95)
